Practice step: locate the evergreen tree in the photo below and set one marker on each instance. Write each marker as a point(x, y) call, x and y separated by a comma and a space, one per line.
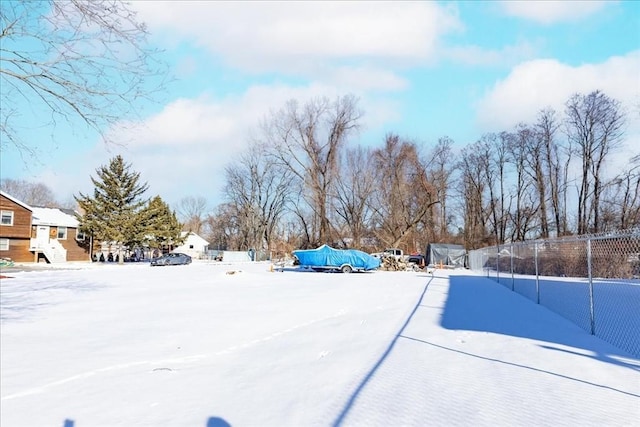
point(159, 226)
point(111, 215)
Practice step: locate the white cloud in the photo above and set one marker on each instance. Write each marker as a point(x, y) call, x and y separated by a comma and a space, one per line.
point(295, 36)
point(538, 84)
point(363, 78)
point(534, 85)
point(184, 122)
point(183, 150)
point(474, 55)
point(553, 11)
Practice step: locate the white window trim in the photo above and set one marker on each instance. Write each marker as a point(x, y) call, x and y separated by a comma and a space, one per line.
point(65, 233)
point(3, 213)
point(4, 244)
point(80, 235)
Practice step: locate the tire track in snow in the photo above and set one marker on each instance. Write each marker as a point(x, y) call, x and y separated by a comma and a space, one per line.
point(180, 360)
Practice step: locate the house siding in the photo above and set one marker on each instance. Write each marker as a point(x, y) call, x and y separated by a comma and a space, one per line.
point(76, 250)
point(21, 227)
point(19, 234)
point(18, 250)
point(199, 246)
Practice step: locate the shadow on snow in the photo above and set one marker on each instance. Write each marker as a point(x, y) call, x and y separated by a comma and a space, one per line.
point(479, 304)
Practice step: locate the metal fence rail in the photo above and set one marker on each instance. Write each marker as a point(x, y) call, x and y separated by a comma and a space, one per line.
point(594, 281)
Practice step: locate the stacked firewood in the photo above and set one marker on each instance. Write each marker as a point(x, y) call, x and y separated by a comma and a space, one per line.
point(391, 263)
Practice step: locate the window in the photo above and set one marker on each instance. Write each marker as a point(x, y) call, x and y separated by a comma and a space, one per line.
point(4, 244)
point(6, 217)
point(62, 233)
point(80, 235)
point(190, 246)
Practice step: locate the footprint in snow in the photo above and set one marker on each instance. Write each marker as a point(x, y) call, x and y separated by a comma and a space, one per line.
point(162, 369)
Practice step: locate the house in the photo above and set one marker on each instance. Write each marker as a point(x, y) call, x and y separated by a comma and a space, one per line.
point(193, 245)
point(34, 234)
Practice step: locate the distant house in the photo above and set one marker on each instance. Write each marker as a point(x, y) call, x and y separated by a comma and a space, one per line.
point(193, 245)
point(33, 234)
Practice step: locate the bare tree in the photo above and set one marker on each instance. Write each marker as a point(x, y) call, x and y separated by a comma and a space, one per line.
point(472, 189)
point(622, 201)
point(553, 171)
point(529, 186)
point(353, 193)
point(72, 59)
point(258, 188)
point(533, 148)
point(404, 195)
point(31, 193)
point(305, 217)
point(595, 124)
point(308, 140)
point(492, 152)
point(440, 171)
point(192, 212)
point(222, 227)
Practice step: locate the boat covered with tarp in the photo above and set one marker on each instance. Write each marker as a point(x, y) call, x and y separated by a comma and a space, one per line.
point(328, 258)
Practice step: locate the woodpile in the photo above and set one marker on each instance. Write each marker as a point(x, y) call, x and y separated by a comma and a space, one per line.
point(391, 263)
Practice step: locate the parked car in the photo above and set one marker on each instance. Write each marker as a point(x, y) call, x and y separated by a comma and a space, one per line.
point(173, 258)
point(345, 260)
point(416, 259)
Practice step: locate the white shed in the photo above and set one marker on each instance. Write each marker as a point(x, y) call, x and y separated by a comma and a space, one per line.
point(193, 245)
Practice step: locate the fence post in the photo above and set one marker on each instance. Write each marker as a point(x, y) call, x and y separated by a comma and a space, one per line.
point(591, 311)
point(512, 279)
point(535, 250)
point(498, 264)
point(485, 252)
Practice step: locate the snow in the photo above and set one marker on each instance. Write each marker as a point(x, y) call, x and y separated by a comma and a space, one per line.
point(53, 216)
point(215, 344)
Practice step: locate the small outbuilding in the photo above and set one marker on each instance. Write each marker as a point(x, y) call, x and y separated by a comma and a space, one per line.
point(450, 255)
point(193, 245)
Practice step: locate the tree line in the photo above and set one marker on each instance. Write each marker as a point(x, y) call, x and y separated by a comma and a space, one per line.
point(302, 183)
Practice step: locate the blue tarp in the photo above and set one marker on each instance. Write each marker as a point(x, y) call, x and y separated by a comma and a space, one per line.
point(326, 256)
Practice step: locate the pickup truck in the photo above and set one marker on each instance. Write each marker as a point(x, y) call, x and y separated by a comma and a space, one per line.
point(399, 255)
point(391, 252)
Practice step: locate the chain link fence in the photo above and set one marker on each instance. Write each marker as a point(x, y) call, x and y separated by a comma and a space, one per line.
point(594, 280)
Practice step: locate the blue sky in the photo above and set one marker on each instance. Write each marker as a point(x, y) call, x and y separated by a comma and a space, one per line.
point(422, 70)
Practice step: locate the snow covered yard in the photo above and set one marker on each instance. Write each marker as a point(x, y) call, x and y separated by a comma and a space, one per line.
point(209, 344)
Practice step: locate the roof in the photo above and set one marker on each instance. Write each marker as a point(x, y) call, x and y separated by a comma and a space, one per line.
point(446, 245)
point(13, 199)
point(53, 216)
point(190, 236)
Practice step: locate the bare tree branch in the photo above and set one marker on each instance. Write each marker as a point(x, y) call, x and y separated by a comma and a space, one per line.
point(73, 60)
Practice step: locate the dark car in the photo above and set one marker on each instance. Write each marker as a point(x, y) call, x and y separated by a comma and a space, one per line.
point(416, 259)
point(173, 258)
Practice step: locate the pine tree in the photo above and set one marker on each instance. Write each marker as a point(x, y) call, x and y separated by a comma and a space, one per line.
point(159, 226)
point(111, 215)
